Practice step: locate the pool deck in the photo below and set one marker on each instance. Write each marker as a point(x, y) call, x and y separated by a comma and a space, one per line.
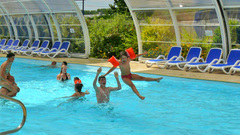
point(141, 68)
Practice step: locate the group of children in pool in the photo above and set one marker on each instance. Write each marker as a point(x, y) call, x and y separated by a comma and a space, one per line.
point(103, 92)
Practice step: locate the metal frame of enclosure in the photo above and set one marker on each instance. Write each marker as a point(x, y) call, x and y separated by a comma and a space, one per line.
point(53, 20)
point(204, 23)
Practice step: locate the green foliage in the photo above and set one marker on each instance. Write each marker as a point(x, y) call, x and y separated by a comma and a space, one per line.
point(156, 33)
point(190, 38)
point(119, 7)
point(110, 36)
point(234, 32)
point(161, 49)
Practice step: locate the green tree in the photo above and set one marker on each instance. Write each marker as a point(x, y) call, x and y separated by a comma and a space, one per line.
point(110, 36)
point(120, 7)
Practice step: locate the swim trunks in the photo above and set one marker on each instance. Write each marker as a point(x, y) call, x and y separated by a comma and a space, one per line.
point(127, 76)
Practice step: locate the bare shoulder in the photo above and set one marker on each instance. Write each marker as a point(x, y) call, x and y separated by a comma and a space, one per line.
point(97, 89)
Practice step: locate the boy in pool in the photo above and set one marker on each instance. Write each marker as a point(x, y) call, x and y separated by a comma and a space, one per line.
point(5, 76)
point(6, 92)
point(78, 88)
point(103, 92)
point(127, 77)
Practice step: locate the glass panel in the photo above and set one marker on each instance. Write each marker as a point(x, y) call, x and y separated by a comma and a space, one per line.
point(158, 33)
point(60, 5)
point(2, 21)
point(197, 17)
point(191, 3)
point(67, 19)
point(1, 11)
point(234, 25)
point(71, 31)
point(77, 45)
point(35, 6)
point(200, 34)
point(33, 34)
point(230, 2)
point(54, 31)
point(4, 32)
point(14, 7)
point(147, 3)
point(43, 31)
point(154, 17)
point(156, 49)
point(22, 31)
point(20, 19)
point(39, 19)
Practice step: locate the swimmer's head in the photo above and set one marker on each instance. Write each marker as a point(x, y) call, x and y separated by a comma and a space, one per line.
point(11, 56)
point(63, 69)
point(53, 63)
point(102, 80)
point(124, 56)
point(75, 78)
point(78, 87)
point(64, 63)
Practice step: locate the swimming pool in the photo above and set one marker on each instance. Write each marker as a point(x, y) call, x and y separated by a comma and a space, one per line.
point(175, 106)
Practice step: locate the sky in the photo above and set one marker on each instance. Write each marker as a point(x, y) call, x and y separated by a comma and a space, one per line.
point(94, 4)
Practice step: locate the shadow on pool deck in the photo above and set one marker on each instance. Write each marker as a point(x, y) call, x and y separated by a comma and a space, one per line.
point(141, 68)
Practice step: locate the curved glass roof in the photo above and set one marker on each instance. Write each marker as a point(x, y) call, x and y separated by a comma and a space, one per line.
point(53, 20)
point(159, 23)
point(205, 23)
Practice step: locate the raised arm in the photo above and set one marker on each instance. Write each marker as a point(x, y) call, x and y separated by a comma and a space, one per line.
point(109, 71)
point(95, 79)
point(118, 83)
point(138, 55)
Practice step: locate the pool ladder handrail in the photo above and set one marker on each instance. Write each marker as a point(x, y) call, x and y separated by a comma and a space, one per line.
point(24, 114)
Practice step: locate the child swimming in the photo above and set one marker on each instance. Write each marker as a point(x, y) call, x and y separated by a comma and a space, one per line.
point(127, 76)
point(78, 88)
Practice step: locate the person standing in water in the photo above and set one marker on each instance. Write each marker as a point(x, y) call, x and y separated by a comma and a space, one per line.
point(6, 80)
point(103, 92)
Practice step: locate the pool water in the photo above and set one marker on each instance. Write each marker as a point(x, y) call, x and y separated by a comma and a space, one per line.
point(175, 106)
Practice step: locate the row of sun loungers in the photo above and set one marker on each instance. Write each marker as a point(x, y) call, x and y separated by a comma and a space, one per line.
point(213, 60)
point(58, 48)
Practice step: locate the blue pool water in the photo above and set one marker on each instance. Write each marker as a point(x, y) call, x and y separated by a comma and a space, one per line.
point(175, 106)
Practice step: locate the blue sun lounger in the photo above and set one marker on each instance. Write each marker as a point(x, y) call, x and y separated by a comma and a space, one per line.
point(213, 57)
point(192, 56)
point(233, 59)
point(54, 49)
point(43, 47)
point(10, 47)
point(30, 49)
point(173, 54)
point(8, 44)
point(2, 43)
point(23, 46)
point(62, 51)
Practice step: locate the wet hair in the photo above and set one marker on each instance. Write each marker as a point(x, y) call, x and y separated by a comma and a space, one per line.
point(123, 53)
point(75, 78)
point(10, 55)
point(78, 87)
point(53, 63)
point(100, 77)
point(64, 63)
